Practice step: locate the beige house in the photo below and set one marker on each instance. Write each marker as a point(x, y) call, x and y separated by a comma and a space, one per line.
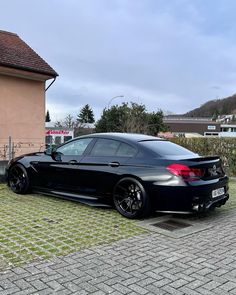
point(23, 76)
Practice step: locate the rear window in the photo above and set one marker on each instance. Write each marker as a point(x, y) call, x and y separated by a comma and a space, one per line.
point(166, 148)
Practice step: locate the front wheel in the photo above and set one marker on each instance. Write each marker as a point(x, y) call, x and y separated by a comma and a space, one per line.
point(18, 179)
point(130, 198)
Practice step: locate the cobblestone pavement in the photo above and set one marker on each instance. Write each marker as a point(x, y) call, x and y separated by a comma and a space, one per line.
point(200, 263)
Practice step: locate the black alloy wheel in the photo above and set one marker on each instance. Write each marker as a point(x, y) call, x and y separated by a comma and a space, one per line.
point(130, 198)
point(18, 179)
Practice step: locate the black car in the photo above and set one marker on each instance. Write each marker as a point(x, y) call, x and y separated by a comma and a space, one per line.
point(136, 173)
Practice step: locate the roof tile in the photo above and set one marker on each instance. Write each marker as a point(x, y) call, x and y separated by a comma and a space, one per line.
point(15, 53)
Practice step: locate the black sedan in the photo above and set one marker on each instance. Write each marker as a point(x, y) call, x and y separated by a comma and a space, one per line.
point(136, 173)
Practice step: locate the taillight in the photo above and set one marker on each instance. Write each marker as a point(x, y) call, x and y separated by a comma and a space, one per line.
point(186, 172)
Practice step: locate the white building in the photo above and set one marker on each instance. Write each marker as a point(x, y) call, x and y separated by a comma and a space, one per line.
point(227, 130)
point(57, 135)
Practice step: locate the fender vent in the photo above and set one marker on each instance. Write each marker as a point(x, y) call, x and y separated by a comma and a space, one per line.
point(171, 224)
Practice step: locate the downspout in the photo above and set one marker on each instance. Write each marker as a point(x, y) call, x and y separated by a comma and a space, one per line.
point(54, 79)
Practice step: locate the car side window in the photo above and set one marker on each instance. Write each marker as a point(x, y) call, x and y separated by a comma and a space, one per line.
point(110, 147)
point(75, 148)
point(105, 147)
point(126, 150)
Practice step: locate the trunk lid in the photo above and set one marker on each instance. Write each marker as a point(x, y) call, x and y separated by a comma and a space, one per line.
point(211, 166)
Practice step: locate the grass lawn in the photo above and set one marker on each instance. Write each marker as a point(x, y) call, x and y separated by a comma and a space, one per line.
point(36, 227)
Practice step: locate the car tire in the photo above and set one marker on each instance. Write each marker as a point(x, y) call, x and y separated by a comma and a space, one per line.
point(130, 198)
point(18, 179)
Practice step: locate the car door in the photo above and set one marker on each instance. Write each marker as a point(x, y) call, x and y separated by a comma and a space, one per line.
point(103, 164)
point(61, 171)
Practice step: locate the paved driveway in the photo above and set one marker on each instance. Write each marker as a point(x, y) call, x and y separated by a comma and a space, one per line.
point(200, 263)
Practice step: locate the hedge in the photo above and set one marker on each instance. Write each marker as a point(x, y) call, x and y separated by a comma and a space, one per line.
point(225, 148)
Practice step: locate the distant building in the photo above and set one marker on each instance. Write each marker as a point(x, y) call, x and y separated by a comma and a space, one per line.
point(227, 130)
point(57, 135)
point(23, 76)
point(183, 126)
point(225, 119)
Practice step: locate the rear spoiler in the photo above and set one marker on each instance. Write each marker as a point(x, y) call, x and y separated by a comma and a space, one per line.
point(203, 159)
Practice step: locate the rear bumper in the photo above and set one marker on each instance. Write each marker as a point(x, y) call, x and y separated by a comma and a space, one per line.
point(195, 197)
point(208, 204)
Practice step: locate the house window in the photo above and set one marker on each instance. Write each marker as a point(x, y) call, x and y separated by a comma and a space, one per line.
point(211, 134)
point(66, 138)
point(224, 129)
point(48, 139)
point(57, 140)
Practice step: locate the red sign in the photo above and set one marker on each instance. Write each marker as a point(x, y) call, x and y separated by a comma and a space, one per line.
point(60, 132)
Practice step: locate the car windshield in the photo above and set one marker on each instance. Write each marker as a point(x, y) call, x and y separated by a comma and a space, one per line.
point(165, 148)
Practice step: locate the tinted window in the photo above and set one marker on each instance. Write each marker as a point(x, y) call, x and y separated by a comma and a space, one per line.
point(166, 148)
point(105, 147)
point(109, 147)
point(76, 147)
point(126, 150)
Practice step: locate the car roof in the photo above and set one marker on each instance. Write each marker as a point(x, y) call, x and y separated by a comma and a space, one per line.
point(132, 137)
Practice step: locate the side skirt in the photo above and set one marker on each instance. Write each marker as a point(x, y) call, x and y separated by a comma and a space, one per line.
point(87, 200)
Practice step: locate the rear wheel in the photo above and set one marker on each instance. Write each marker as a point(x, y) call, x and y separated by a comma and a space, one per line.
point(130, 198)
point(18, 179)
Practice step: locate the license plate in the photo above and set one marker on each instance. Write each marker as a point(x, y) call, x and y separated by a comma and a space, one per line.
point(218, 192)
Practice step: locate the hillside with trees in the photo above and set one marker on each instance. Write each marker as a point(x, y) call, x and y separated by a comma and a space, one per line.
point(213, 108)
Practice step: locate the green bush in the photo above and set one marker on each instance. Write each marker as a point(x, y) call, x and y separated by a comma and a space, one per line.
point(225, 148)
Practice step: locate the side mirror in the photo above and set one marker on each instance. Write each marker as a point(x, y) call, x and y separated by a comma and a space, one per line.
point(48, 151)
point(56, 156)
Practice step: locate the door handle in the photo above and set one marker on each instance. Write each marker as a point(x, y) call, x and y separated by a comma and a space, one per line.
point(114, 164)
point(73, 162)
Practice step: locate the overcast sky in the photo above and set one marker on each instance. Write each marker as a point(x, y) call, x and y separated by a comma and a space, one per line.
point(167, 54)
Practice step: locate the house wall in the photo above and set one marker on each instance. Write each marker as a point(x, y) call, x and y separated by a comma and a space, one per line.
point(22, 114)
point(227, 134)
point(192, 127)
